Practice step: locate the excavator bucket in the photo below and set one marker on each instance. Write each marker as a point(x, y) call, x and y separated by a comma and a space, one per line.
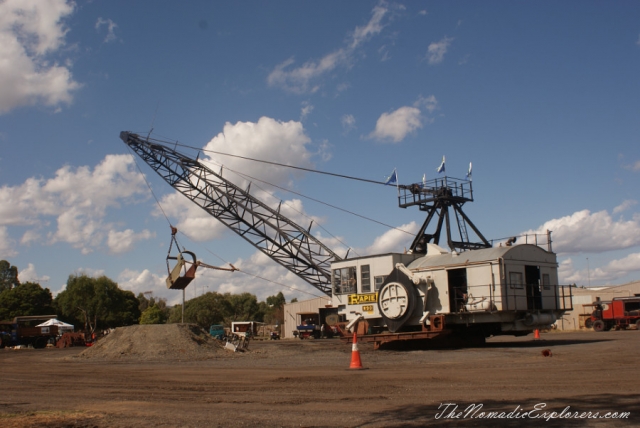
point(176, 281)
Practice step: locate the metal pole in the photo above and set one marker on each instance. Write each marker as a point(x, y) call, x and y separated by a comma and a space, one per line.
point(588, 272)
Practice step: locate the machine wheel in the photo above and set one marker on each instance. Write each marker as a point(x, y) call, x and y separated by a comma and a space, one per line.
point(638, 325)
point(598, 325)
point(397, 300)
point(588, 323)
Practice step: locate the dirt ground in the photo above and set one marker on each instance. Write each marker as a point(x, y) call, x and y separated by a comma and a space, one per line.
point(308, 383)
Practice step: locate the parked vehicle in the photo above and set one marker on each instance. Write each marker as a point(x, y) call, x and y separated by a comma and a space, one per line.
point(25, 331)
point(217, 331)
point(620, 312)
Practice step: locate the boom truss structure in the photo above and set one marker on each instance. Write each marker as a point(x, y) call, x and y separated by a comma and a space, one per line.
point(286, 242)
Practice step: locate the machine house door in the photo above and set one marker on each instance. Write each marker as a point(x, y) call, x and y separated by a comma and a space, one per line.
point(534, 295)
point(457, 289)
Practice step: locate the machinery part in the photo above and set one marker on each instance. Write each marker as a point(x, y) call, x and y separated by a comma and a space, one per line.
point(286, 242)
point(598, 325)
point(397, 300)
point(588, 323)
point(539, 319)
point(332, 319)
point(436, 197)
point(354, 321)
point(176, 281)
point(638, 325)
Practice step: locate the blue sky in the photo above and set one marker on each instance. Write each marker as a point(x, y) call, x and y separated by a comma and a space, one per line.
point(542, 97)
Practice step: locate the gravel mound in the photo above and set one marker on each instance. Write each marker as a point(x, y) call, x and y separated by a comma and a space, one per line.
point(157, 342)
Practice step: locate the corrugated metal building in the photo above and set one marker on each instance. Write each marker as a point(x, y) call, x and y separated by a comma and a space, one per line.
point(584, 296)
point(291, 311)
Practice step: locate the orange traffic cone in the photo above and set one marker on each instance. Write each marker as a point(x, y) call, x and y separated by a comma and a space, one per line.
point(355, 354)
point(536, 334)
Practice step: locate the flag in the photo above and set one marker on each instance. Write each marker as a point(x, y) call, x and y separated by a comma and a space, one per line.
point(441, 167)
point(469, 172)
point(393, 178)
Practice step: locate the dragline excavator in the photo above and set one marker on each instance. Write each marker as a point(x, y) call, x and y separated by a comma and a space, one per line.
point(472, 290)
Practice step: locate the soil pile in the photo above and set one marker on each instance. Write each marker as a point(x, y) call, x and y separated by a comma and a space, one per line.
point(157, 342)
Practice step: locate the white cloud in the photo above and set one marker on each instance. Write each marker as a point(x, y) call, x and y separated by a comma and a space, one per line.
point(566, 271)
point(122, 242)
point(624, 206)
point(30, 236)
point(584, 231)
point(633, 167)
point(436, 50)
point(30, 275)
point(301, 79)
point(307, 108)
point(394, 240)
point(269, 140)
point(192, 220)
point(259, 275)
point(395, 126)
point(604, 275)
point(111, 28)
point(430, 103)
point(7, 245)
point(373, 27)
point(78, 200)
point(145, 281)
point(348, 122)
point(31, 32)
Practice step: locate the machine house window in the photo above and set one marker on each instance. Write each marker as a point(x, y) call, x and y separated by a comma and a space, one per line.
point(515, 279)
point(345, 280)
point(379, 281)
point(365, 278)
point(546, 281)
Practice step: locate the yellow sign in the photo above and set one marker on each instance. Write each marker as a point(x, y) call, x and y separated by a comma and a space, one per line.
point(359, 299)
point(367, 308)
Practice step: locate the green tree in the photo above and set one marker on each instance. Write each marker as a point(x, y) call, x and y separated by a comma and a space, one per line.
point(210, 308)
point(97, 303)
point(25, 299)
point(244, 307)
point(144, 303)
point(8, 276)
point(276, 301)
point(274, 311)
point(153, 315)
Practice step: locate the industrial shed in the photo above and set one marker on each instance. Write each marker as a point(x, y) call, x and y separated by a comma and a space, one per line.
point(291, 311)
point(583, 297)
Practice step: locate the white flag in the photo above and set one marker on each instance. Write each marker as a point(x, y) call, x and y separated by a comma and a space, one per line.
point(441, 167)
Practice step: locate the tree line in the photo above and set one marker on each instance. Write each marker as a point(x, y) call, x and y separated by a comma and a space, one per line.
point(93, 304)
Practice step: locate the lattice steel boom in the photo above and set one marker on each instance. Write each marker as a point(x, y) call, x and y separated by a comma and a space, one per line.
point(278, 237)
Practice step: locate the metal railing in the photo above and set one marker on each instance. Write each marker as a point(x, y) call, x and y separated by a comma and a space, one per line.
point(507, 300)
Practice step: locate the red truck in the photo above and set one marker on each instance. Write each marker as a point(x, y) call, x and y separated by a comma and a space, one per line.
point(620, 312)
